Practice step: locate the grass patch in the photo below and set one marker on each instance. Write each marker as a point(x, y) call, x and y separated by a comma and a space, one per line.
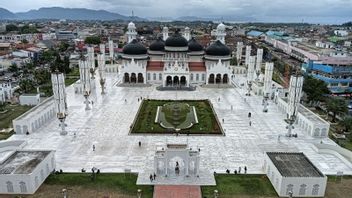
point(207, 123)
point(124, 183)
point(4, 136)
point(70, 81)
point(12, 113)
point(236, 185)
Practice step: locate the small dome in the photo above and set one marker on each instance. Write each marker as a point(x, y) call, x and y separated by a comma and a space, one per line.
point(176, 40)
point(134, 48)
point(187, 28)
point(193, 45)
point(131, 25)
point(165, 28)
point(221, 26)
point(157, 45)
point(218, 49)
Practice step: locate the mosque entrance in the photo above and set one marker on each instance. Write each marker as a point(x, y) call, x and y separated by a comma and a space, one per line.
point(133, 78)
point(211, 79)
point(126, 78)
point(140, 78)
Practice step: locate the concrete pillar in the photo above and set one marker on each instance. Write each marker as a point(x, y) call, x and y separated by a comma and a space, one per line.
point(250, 70)
point(239, 52)
point(269, 67)
point(248, 54)
point(259, 60)
point(295, 93)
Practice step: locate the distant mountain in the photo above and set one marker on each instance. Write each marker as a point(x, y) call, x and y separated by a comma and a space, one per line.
point(5, 14)
point(191, 18)
point(217, 18)
point(66, 13)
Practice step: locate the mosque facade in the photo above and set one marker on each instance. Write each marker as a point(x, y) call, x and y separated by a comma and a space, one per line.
point(176, 60)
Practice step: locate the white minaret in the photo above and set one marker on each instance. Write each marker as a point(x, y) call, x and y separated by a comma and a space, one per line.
point(294, 97)
point(269, 67)
point(250, 70)
point(101, 68)
point(250, 74)
point(131, 32)
point(221, 32)
point(102, 48)
point(58, 84)
point(84, 69)
point(91, 58)
point(165, 33)
point(248, 54)
point(111, 51)
point(295, 93)
point(258, 64)
point(239, 52)
point(187, 34)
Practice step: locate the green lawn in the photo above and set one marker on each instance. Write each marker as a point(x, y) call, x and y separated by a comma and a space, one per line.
point(207, 123)
point(230, 185)
point(12, 113)
point(104, 181)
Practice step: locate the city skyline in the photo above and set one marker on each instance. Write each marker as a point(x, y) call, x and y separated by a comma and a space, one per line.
point(325, 11)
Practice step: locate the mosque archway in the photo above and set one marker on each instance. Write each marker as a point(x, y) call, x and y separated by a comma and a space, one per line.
point(126, 78)
point(183, 81)
point(225, 79)
point(176, 80)
point(218, 78)
point(133, 78)
point(211, 79)
point(168, 81)
point(140, 78)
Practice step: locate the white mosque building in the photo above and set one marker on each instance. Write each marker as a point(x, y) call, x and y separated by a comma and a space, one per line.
point(176, 60)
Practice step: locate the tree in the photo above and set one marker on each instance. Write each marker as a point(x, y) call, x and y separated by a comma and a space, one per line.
point(27, 85)
point(42, 76)
point(95, 40)
point(336, 106)
point(13, 68)
point(11, 27)
point(63, 46)
point(315, 89)
point(346, 122)
point(233, 61)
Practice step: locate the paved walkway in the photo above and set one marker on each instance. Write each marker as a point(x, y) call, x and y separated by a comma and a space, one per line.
point(162, 191)
point(107, 126)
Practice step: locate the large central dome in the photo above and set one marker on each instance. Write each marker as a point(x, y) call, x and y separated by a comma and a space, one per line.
point(176, 40)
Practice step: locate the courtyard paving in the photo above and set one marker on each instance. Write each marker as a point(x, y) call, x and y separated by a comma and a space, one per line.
point(107, 126)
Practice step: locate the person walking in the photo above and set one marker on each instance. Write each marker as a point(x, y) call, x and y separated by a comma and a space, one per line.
point(93, 147)
point(151, 177)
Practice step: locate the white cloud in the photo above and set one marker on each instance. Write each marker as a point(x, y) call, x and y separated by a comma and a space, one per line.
point(259, 9)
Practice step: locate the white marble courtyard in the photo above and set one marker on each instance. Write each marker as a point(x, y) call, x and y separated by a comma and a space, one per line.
point(107, 126)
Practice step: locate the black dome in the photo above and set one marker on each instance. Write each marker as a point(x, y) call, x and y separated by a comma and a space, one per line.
point(193, 45)
point(157, 45)
point(134, 48)
point(218, 49)
point(176, 40)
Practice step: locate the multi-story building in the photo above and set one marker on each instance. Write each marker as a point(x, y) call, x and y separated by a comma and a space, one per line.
point(336, 72)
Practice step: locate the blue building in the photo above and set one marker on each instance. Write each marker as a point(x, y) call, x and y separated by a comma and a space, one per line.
point(336, 74)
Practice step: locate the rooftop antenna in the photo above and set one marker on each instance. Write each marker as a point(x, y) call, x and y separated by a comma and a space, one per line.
point(132, 14)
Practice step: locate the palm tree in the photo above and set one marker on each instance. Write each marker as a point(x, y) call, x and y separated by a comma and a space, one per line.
point(336, 106)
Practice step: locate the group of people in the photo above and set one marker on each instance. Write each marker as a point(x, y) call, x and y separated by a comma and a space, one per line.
point(152, 177)
point(237, 172)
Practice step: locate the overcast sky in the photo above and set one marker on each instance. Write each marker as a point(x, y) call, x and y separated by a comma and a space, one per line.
point(324, 11)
